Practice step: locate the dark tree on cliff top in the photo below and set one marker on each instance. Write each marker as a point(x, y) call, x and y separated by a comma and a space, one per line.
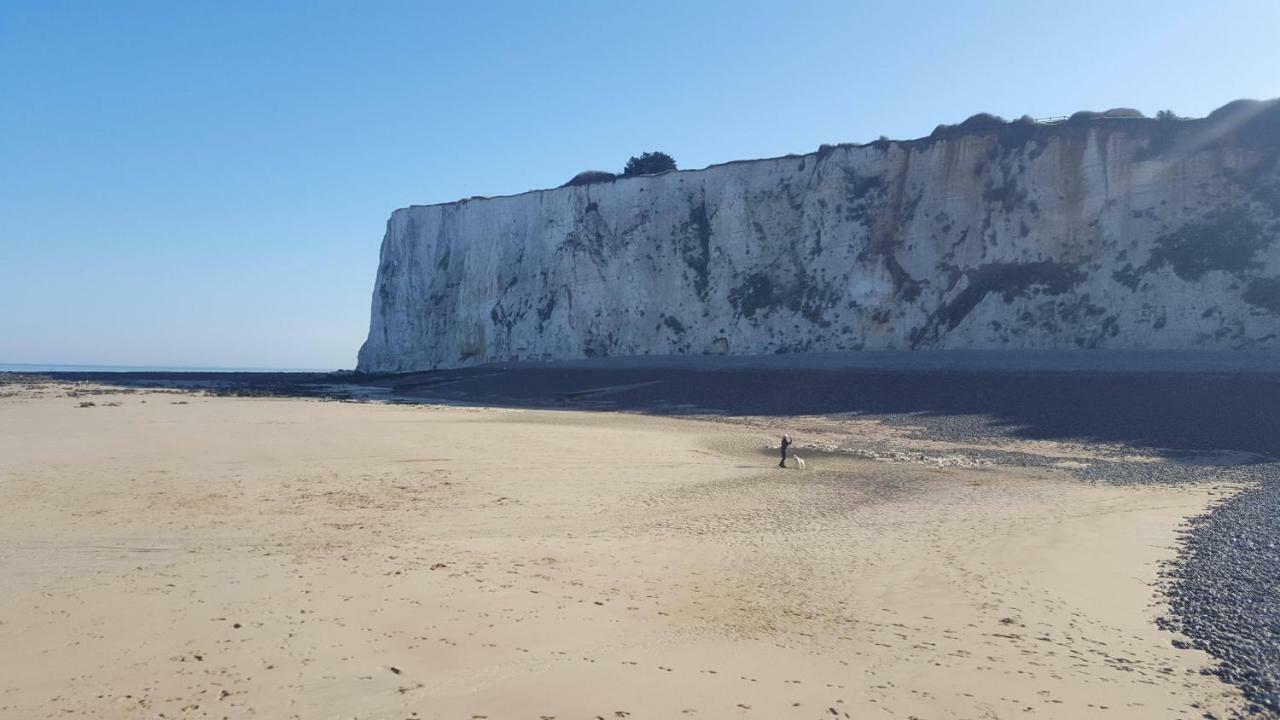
point(648, 164)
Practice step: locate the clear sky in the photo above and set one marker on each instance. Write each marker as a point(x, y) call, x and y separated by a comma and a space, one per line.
point(206, 183)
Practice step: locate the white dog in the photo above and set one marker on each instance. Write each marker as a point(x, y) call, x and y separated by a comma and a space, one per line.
point(799, 462)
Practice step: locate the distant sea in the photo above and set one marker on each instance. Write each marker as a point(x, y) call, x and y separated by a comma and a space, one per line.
point(49, 367)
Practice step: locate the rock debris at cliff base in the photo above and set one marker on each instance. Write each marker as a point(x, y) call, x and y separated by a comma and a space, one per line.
point(1224, 589)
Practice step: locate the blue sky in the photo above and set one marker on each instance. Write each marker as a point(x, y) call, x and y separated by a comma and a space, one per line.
point(207, 183)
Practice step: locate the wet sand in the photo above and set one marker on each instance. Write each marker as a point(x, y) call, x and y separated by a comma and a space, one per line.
point(196, 556)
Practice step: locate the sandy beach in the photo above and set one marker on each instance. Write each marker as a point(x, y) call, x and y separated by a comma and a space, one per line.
point(179, 555)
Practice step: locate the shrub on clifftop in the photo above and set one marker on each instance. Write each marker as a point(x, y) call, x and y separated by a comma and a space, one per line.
point(649, 163)
point(1125, 113)
point(588, 177)
point(982, 121)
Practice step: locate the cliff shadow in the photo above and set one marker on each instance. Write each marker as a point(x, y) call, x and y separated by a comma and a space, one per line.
point(1171, 413)
point(1167, 412)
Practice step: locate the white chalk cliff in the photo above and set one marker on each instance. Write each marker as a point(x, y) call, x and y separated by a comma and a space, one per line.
point(1092, 233)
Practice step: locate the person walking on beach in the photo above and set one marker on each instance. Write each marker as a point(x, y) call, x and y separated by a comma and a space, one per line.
point(786, 443)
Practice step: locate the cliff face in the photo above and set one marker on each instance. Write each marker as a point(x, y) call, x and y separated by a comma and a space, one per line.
point(1104, 233)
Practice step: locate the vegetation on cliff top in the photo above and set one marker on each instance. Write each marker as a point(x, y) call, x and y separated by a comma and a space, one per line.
point(650, 163)
point(1238, 123)
point(588, 177)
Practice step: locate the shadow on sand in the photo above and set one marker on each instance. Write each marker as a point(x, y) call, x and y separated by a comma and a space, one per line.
point(1169, 407)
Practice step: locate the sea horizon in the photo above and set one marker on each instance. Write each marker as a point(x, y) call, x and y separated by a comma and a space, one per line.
point(60, 367)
